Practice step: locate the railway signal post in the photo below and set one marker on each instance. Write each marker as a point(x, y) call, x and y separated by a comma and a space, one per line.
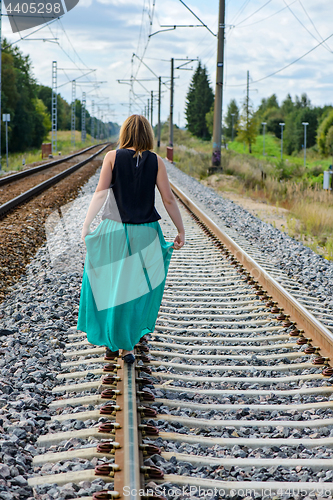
point(6, 119)
point(217, 129)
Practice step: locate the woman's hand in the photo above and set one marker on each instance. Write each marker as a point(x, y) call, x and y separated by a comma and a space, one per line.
point(84, 232)
point(179, 241)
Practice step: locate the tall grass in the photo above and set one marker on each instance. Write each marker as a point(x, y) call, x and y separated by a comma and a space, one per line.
point(16, 161)
point(286, 184)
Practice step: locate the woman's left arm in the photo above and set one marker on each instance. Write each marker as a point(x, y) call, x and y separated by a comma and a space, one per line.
point(101, 192)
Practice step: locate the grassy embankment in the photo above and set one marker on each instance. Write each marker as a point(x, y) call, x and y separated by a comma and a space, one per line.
point(35, 155)
point(286, 183)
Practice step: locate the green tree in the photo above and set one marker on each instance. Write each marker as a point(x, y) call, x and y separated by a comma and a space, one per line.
point(232, 109)
point(323, 129)
point(247, 125)
point(210, 120)
point(28, 124)
point(63, 108)
point(199, 101)
point(329, 141)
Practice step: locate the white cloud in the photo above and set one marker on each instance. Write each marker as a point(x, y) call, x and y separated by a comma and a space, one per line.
point(105, 33)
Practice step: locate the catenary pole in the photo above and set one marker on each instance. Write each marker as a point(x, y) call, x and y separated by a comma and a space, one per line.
point(159, 112)
point(282, 125)
point(151, 107)
point(0, 71)
point(263, 142)
point(171, 105)
point(218, 103)
point(232, 126)
point(54, 107)
point(305, 125)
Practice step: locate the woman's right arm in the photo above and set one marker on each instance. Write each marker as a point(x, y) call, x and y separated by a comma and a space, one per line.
point(101, 192)
point(170, 203)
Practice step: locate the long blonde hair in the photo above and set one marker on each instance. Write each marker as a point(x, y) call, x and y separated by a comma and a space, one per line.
point(136, 132)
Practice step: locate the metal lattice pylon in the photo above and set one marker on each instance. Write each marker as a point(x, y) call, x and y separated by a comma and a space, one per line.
point(54, 108)
point(83, 117)
point(98, 124)
point(73, 113)
point(93, 121)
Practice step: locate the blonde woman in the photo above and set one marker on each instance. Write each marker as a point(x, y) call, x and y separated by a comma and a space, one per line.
point(127, 257)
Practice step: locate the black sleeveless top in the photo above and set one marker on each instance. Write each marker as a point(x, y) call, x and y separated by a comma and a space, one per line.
point(131, 197)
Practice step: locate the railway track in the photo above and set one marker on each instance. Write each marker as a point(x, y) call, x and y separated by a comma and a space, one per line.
point(232, 394)
point(36, 188)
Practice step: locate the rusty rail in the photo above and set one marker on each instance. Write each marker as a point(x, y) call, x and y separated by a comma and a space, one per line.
point(318, 333)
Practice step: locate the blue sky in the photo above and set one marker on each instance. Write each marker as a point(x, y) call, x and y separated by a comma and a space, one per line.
point(103, 34)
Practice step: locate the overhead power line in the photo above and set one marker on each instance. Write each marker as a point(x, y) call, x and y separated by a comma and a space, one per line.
point(198, 18)
point(307, 15)
point(288, 65)
point(266, 18)
point(253, 13)
point(302, 24)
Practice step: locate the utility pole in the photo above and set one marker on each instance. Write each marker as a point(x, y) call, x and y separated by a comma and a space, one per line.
point(282, 125)
point(218, 103)
point(151, 107)
point(54, 108)
point(73, 113)
point(98, 124)
point(6, 118)
point(232, 126)
point(247, 106)
point(0, 70)
point(83, 117)
point(171, 104)
point(148, 109)
point(264, 125)
point(159, 113)
point(93, 121)
point(305, 125)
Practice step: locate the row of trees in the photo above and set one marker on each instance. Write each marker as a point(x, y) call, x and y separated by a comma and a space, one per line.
point(29, 104)
point(245, 123)
point(290, 112)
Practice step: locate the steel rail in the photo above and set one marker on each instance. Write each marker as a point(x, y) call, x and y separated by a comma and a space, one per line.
point(30, 171)
point(125, 389)
point(314, 328)
point(18, 200)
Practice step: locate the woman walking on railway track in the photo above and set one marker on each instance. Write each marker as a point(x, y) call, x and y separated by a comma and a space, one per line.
point(127, 257)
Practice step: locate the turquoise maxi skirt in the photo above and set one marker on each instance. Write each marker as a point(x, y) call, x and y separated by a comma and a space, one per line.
point(123, 282)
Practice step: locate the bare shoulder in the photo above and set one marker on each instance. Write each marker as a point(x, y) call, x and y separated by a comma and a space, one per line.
point(111, 154)
point(110, 157)
point(160, 162)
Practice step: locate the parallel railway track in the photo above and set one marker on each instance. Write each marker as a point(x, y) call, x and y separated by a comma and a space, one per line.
point(42, 186)
point(232, 392)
